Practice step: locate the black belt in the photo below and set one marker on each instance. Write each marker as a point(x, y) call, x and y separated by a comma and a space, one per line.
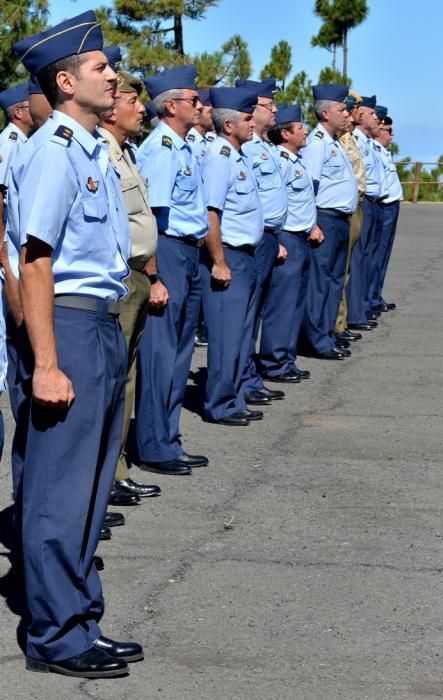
point(250, 249)
point(336, 213)
point(297, 233)
point(375, 200)
point(267, 229)
point(76, 301)
point(195, 242)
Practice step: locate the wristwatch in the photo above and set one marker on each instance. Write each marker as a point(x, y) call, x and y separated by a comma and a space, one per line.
point(153, 278)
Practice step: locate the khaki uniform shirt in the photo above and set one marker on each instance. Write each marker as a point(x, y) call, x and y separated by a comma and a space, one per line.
point(352, 150)
point(142, 223)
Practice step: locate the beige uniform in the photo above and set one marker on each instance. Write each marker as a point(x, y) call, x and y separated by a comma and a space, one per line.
point(353, 152)
point(143, 228)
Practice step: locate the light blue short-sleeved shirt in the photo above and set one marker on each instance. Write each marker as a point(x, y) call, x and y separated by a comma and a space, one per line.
point(328, 164)
point(264, 161)
point(231, 188)
point(12, 140)
point(69, 196)
point(198, 143)
point(174, 179)
point(393, 181)
point(302, 212)
point(376, 184)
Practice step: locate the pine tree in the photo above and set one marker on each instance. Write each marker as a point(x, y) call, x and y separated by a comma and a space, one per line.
point(280, 64)
point(18, 19)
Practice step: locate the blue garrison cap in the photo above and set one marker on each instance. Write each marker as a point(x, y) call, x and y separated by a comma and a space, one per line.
point(369, 102)
point(330, 91)
point(381, 111)
point(289, 114)
point(114, 55)
point(238, 98)
point(34, 86)
point(150, 110)
point(73, 36)
point(18, 93)
point(350, 102)
point(203, 96)
point(262, 88)
point(179, 78)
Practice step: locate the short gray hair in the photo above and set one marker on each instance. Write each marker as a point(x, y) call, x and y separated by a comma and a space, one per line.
point(10, 110)
point(159, 101)
point(221, 115)
point(321, 106)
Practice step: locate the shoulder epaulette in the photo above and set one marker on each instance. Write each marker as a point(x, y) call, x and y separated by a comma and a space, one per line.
point(284, 154)
point(225, 151)
point(64, 132)
point(191, 138)
point(210, 137)
point(319, 134)
point(13, 136)
point(167, 142)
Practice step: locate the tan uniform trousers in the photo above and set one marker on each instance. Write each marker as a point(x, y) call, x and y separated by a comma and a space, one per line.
point(354, 235)
point(132, 319)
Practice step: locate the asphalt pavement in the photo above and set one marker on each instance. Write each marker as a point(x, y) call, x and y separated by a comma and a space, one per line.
point(306, 562)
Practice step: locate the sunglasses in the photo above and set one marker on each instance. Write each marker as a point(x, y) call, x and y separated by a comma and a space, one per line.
point(192, 100)
point(387, 128)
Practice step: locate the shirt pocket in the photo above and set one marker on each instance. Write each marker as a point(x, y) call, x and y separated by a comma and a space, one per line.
point(95, 208)
point(185, 187)
point(133, 196)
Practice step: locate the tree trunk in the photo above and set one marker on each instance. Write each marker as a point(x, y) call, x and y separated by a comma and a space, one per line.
point(334, 58)
point(345, 54)
point(178, 35)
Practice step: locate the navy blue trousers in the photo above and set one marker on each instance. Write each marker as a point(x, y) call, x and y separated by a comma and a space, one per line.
point(165, 353)
point(229, 315)
point(265, 256)
point(68, 473)
point(389, 218)
point(363, 263)
point(326, 280)
point(284, 307)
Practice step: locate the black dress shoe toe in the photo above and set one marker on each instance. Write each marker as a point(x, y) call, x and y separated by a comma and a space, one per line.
point(372, 323)
point(92, 663)
point(344, 351)
point(120, 497)
point(381, 308)
point(341, 343)
point(193, 461)
point(140, 490)
point(172, 467)
point(257, 398)
point(372, 315)
point(99, 563)
point(250, 415)
point(391, 306)
point(231, 420)
point(286, 378)
point(360, 326)
point(274, 394)
point(333, 354)
point(128, 651)
point(105, 533)
point(114, 519)
point(352, 337)
point(303, 373)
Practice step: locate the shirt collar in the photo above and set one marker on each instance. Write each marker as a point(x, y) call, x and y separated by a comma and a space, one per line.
point(87, 141)
point(360, 135)
point(292, 156)
point(239, 154)
point(198, 137)
point(177, 140)
point(329, 138)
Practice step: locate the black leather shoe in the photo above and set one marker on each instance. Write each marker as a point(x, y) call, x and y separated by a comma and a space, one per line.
point(99, 563)
point(391, 306)
point(286, 378)
point(274, 394)
point(105, 533)
point(342, 338)
point(352, 337)
point(381, 308)
point(372, 315)
point(193, 460)
point(340, 343)
point(119, 497)
point(251, 415)
point(201, 340)
point(303, 373)
point(360, 326)
point(344, 351)
point(114, 519)
point(141, 490)
point(128, 651)
point(92, 663)
point(257, 398)
point(332, 354)
point(231, 420)
point(373, 324)
point(171, 468)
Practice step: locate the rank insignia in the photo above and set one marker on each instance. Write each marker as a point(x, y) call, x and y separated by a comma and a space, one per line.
point(210, 137)
point(91, 185)
point(283, 154)
point(13, 136)
point(242, 175)
point(319, 134)
point(191, 138)
point(187, 170)
point(225, 151)
point(64, 132)
point(167, 141)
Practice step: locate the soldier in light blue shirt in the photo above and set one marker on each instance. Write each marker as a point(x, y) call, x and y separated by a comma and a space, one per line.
point(176, 197)
point(74, 240)
point(284, 306)
point(264, 160)
point(229, 263)
point(201, 134)
point(336, 193)
point(364, 254)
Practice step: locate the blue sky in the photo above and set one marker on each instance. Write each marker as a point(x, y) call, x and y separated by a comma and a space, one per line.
point(395, 54)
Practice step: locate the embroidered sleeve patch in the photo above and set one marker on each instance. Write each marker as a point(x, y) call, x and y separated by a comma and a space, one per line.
point(225, 151)
point(13, 136)
point(64, 132)
point(167, 142)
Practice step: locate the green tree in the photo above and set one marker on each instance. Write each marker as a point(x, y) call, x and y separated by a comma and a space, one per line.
point(329, 36)
point(329, 75)
point(225, 66)
point(280, 64)
point(18, 19)
point(299, 90)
